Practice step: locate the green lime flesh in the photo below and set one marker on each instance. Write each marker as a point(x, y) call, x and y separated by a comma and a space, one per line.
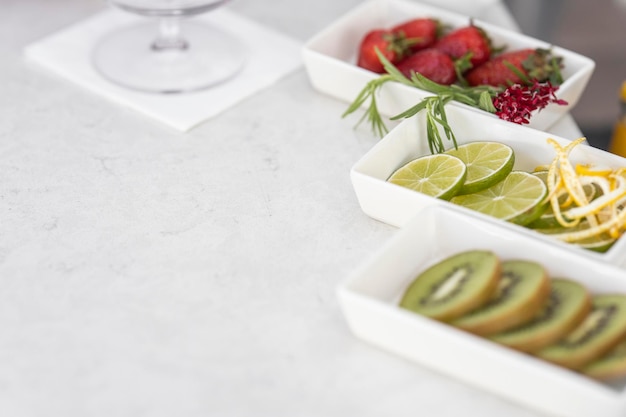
point(487, 164)
point(440, 175)
point(597, 243)
point(517, 199)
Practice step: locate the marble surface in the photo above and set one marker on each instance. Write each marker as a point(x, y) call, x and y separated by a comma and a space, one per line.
point(145, 272)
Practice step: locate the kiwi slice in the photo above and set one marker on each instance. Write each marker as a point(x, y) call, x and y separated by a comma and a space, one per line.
point(454, 286)
point(523, 290)
point(601, 330)
point(568, 304)
point(610, 366)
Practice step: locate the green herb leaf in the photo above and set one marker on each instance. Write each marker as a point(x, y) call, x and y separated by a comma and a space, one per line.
point(522, 76)
point(412, 111)
point(485, 102)
point(393, 72)
point(371, 114)
point(556, 78)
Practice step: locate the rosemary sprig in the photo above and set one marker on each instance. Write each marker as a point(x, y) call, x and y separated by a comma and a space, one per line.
point(371, 113)
point(515, 102)
point(436, 120)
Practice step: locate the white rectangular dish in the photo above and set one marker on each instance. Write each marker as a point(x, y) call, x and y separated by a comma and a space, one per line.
point(396, 205)
point(369, 300)
point(330, 58)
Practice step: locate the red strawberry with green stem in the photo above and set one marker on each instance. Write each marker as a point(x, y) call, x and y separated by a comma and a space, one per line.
point(382, 40)
point(517, 67)
point(470, 40)
point(396, 43)
point(420, 33)
point(432, 64)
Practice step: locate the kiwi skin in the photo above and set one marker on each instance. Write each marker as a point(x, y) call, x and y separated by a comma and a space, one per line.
point(546, 338)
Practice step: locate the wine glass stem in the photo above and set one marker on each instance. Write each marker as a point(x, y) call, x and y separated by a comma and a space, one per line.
point(170, 35)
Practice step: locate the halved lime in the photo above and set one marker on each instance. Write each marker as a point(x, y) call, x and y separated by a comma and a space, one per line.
point(487, 164)
point(517, 199)
point(440, 175)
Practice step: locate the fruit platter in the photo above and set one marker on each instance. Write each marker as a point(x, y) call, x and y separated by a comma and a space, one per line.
point(336, 60)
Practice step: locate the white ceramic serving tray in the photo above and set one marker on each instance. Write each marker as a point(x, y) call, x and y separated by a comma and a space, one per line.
point(396, 205)
point(330, 57)
point(369, 300)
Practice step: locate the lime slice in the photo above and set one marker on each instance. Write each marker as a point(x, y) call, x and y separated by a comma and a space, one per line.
point(518, 198)
point(440, 175)
point(546, 221)
point(601, 242)
point(487, 164)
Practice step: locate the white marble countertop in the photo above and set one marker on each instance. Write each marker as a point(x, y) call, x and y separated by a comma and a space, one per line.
point(145, 272)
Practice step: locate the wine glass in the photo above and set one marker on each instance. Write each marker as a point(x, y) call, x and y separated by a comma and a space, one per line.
point(164, 55)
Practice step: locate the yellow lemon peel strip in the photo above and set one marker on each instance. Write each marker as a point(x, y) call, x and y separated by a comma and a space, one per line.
point(605, 214)
point(599, 203)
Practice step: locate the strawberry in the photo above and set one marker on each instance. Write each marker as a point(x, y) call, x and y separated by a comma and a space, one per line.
point(466, 40)
point(396, 43)
point(419, 33)
point(432, 64)
point(530, 65)
point(384, 41)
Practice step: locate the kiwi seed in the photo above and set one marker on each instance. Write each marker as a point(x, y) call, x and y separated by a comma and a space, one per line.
point(522, 292)
point(454, 286)
point(601, 330)
point(568, 304)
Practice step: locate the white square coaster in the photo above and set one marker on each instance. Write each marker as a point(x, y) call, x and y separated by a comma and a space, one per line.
point(271, 56)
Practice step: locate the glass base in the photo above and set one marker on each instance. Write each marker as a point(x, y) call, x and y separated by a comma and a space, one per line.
point(129, 58)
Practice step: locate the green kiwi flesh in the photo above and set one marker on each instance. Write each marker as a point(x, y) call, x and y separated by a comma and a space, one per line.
point(568, 304)
point(609, 367)
point(454, 286)
point(523, 290)
point(600, 331)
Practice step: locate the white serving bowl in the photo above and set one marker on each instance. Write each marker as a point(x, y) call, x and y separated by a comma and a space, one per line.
point(396, 205)
point(369, 300)
point(330, 57)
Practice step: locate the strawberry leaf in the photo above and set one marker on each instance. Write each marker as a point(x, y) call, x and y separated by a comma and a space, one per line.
point(556, 78)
